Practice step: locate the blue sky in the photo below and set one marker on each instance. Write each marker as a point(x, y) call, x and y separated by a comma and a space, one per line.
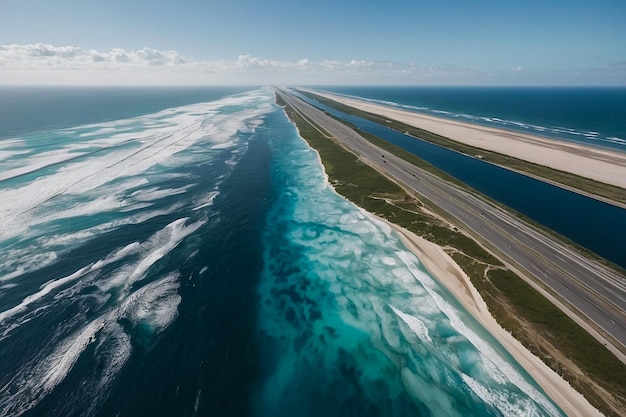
point(318, 42)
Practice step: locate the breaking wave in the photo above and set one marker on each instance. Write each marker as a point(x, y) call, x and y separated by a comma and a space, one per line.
point(587, 137)
point(94, 223)
point(353, 323)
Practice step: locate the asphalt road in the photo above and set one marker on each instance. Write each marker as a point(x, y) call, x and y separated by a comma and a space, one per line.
point(586, 288)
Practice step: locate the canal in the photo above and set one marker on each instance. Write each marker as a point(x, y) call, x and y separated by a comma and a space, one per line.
point(593, 224)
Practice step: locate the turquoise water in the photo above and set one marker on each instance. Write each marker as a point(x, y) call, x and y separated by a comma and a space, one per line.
point(194, 261)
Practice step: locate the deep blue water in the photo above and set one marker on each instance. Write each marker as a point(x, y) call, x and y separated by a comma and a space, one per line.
point(590, 115)
point(190, 259)
point(591, 223)
point(31, 109)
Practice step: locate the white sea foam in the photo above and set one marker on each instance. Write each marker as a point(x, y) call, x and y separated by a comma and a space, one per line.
point(149, 252)
point(208, 200)
point(123, 154)
point(35, 162)
point(616, 140)
point(367, 283)
point(4, 155)
point(118, 255)
point(506, 403)
point(33, 382)
point(495, 368)
point(11, 144)
point(7, 286)
point(75, 238)
point(19, 261)
point(224, 145)
point(163, 242)
point(115, 169)
point(43, 250)
point(113, 353)
point(553, 131)
point(415, 324)
point(59, 363)
point(45, 289)
point(155, 303)
point(154, 193)
point(98, 132)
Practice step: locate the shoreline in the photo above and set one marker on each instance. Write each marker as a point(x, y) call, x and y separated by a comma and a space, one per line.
point(448, 273)
point(598, 164)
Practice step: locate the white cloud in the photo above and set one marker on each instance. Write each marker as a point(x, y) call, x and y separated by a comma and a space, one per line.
point(360, 64)
point(38, 56)
point(66, 65)
point(48, 64)
point(250, 62)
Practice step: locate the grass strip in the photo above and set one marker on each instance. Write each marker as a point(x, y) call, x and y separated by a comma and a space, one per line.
point(569, 180)
point(520, 309)
point(410, 157)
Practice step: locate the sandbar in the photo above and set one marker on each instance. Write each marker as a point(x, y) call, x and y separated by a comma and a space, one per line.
point(599, 164)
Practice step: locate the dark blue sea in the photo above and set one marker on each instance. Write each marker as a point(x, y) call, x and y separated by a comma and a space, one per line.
point(179, 252)
point(591, 115)
point(591, 223)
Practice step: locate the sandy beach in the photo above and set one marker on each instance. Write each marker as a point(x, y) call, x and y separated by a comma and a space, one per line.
point(449, 274)
point(599, 164)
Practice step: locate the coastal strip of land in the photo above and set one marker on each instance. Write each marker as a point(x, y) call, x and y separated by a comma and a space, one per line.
point(599, 164)
point(473, 260)
point(443, 267)
point(590, 293)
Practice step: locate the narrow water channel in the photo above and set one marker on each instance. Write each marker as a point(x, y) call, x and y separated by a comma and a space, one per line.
point(593, 224)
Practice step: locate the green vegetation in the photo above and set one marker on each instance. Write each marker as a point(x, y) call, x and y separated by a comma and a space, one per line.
point(520, 309)
point(400, 152)
point(585, 185)
point(525, 313)
point(365, 186)
point(279, 100)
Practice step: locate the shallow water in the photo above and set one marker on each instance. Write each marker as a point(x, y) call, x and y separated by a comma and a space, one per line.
point(593, 224)
point(194, 261)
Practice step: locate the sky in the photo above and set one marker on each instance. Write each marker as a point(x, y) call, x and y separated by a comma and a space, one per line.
point(321, 42)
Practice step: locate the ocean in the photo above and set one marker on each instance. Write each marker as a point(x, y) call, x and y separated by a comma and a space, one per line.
point(593, 224)
point(180, 252)
point(593, 116)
